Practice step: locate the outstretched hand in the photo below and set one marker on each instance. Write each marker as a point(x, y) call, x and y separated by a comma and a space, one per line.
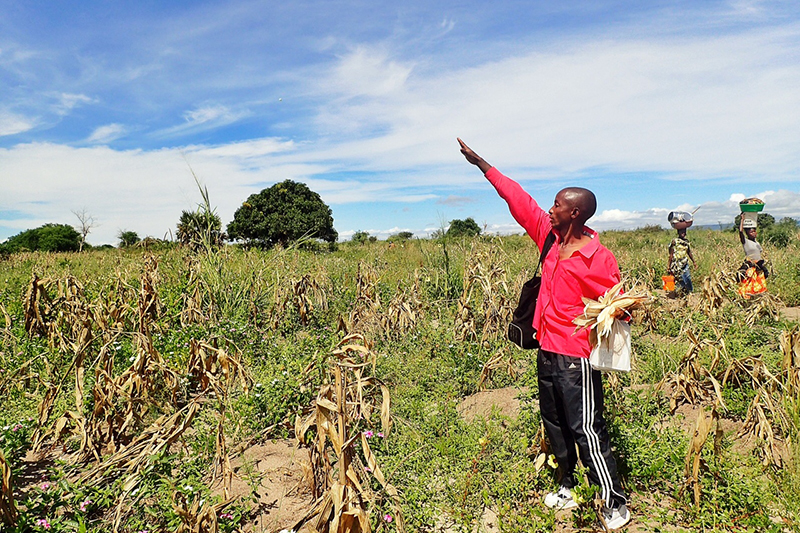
point(474, 158)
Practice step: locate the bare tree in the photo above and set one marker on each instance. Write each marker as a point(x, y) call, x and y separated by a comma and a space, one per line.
point(86, 224)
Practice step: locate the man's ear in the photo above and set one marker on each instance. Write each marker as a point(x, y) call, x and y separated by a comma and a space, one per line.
point(575, 214)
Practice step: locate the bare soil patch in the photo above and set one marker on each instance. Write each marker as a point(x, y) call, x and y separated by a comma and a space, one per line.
point(504, 401)
point(273, 474)
point(791, 313)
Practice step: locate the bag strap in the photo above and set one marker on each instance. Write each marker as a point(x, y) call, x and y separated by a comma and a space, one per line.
point(548, 243)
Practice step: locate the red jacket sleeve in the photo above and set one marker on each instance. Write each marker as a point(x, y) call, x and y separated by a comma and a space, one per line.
point(523, 207)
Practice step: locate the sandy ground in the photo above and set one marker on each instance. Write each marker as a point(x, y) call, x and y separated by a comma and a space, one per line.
point(791, 313)
point(273, 475)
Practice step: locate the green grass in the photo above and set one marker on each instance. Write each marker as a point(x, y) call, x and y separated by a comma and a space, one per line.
point(448, 471)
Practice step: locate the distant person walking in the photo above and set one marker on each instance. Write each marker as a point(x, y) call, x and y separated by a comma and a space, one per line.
point(570, 390)
point(680, 253)
point(753, 273)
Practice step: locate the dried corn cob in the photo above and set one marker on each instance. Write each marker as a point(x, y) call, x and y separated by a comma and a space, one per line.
point(599, 315)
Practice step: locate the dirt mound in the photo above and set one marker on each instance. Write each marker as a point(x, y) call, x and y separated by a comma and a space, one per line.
point(791, 313)
point(273, 474)
point(481, 404)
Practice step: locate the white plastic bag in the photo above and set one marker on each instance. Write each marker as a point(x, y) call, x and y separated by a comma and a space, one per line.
point(613, 352)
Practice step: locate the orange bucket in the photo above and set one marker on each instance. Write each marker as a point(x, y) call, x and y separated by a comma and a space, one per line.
point(669, 283)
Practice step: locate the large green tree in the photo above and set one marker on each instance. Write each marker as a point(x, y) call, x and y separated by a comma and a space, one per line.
point(47, 238)
point(463, 228)
point(282, 214)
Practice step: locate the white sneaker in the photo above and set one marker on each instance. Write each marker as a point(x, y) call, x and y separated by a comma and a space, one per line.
point(562, 499)
point(617, 517)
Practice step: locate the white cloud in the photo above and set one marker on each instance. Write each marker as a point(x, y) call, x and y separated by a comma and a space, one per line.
point(106, 134)
point(11, 123)
point(447, 25)
point(503, 229)
point(747, 8)
point(145, 191)
point(781, 203)
point(246, 149)
point(66, 102)
point(205, 118)
point(366, 71)
point(736, 197)
point(691, 108)
point(453, 200)
point(138, 190)
point(207, 114)
point(382, 234)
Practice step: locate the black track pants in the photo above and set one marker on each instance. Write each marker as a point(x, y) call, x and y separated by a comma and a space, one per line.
point(571, 404)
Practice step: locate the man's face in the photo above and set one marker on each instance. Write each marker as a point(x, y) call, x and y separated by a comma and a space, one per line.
point(561, 212)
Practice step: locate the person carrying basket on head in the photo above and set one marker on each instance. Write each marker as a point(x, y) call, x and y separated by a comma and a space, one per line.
point(680, 253)
point(753, 273)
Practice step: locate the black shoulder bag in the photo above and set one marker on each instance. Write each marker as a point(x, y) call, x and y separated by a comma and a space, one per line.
point(520, 330)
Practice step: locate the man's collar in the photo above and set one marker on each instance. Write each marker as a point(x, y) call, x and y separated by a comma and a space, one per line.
point(593, 245)
point(590, 248)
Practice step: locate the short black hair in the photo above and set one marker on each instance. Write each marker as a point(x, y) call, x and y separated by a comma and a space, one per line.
point(583, 199)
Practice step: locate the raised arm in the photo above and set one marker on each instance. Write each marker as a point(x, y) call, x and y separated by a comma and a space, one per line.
point(741, 228)
point(671, 252)
point(474, 158)
point(523, 207)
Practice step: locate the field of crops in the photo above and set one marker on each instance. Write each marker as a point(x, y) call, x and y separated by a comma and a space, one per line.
point(134, 382)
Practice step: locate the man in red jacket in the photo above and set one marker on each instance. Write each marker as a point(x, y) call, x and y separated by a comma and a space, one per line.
point(570, 390)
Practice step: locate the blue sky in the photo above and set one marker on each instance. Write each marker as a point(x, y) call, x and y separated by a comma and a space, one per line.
point(653, 105)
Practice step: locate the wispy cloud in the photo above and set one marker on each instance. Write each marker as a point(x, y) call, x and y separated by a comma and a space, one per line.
point(12, 123)
point(713, 107)
point(455, 201)
point(209, 114)
point(366, 71)
point(204, 118)
point(67, 102)
point(246, 149)
point(106, 134)
point(446, 26)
